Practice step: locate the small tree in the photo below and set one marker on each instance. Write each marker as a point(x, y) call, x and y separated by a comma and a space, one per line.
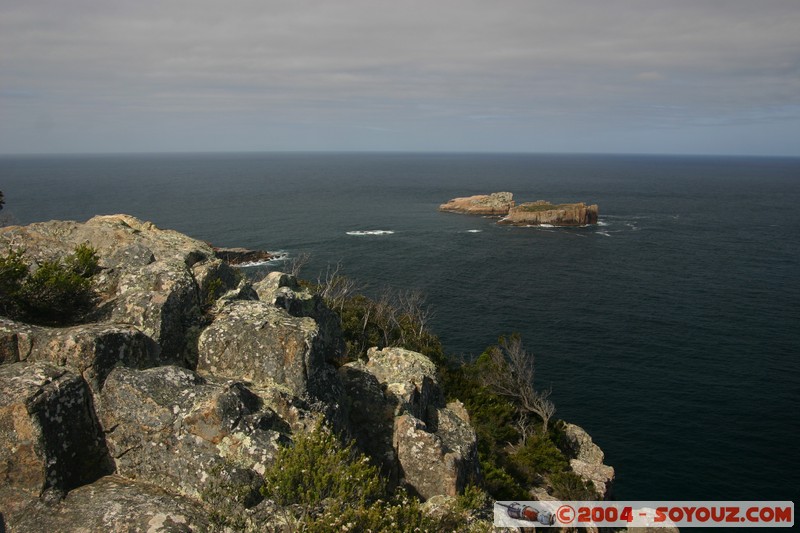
point(511, 373)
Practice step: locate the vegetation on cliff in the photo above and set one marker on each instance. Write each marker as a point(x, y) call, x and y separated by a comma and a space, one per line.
point(54, 291)
point(343, 491)
point(518, 447)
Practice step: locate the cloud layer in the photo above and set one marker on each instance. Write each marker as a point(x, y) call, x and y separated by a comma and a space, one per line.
point(517, 75)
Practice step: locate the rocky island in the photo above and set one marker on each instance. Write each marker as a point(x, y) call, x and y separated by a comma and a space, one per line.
point(495, 204)
point(537, 213)
point(170, 404)
point(543, 212)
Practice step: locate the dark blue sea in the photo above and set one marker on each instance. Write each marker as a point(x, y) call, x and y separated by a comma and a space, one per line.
point(670, 331)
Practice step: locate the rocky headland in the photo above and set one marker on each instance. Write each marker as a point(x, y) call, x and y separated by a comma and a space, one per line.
point(541, 212)
point(185, 373)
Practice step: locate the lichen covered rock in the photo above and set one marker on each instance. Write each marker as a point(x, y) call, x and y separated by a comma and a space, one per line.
point(170, 427)
point(49, 437)
point(115, 505)
point(93, 350)
point(284, 291)
point(147, 278)
point(396, 393)
point(257, 342)
point(588, 460)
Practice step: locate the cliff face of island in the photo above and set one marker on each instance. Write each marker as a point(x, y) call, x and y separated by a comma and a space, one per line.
point(543, 212)
point(495, 204)
point(184, 374)
point(536, 213)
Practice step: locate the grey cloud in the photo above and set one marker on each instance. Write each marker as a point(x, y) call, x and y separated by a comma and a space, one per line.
point(329, 61)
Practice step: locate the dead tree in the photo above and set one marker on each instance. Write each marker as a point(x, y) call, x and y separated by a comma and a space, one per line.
point(511, 374)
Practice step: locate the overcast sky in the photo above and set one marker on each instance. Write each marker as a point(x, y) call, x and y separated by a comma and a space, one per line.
point(649, 76)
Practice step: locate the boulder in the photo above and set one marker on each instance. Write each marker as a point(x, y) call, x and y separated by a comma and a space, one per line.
point(161, 299)
point(49, 437)
point(257, 342)
point(111, 504)
point(16, 341)
point(543, 212)
point(284, 291)
point(495, 204)
point(588, 459)
point(371, 414)
point(170, 427)
point(397, 416)
point(440, 462)
point(409, 377)
point(93, 350)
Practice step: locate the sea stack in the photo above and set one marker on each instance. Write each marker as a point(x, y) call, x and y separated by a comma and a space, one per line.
point(495, 204)
point(543, 212)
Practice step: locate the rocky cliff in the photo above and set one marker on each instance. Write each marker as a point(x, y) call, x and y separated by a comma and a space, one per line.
point(543, 212)
point(185, 374)
point(495, 204)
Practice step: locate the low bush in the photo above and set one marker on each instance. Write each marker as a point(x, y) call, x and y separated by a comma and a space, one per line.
point(569, 486)
point(318, 468)
point(320, 484)
point(56, 292)
point(13, 270)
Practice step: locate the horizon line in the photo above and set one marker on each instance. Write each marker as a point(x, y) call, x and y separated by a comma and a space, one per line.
point(386, 152)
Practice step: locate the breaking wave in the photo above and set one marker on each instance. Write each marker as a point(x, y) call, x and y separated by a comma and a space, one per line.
point(371, 232)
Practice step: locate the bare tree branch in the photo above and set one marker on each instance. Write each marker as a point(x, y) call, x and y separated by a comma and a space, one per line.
point(511, 374)
point(298, 262)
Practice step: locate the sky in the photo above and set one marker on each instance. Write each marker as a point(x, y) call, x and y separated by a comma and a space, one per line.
point(590, 76)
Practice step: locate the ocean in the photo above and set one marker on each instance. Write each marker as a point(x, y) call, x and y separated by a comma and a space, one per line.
point(670, 331)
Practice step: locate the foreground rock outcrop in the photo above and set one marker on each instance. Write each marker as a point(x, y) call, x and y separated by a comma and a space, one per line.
point(51, 441)
point(543, 212)
point(495, 204)
point(185, 377)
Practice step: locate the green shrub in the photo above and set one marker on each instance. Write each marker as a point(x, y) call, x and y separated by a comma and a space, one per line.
point(538, 457)
point(473, 499)
point(56, 292)
point(400, 514)
point(498, 482)
point(393, 318)
point(13, 271)
point(318, 468)
point(83, 261)
point(569, 486)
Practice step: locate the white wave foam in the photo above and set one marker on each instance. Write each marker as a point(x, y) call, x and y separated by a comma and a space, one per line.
point(276, 259)
point(603, 233)
point(474, 230)
point(371, 232)
point(602, 223)
point(258, 263)
point(546, 226)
